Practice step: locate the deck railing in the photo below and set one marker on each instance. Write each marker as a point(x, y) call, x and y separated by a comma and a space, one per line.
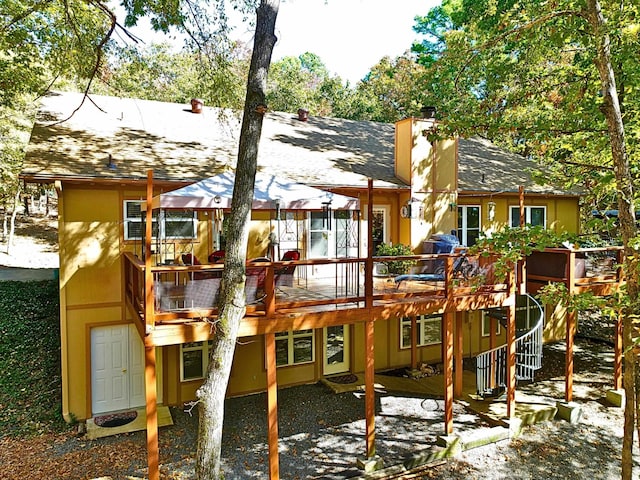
point(183, 292)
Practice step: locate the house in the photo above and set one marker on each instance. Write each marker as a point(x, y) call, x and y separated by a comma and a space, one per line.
point(114, 156)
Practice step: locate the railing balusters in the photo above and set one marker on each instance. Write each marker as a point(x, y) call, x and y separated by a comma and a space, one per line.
point(491, 366)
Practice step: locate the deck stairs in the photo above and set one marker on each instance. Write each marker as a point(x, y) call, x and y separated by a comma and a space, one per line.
point(491, 366)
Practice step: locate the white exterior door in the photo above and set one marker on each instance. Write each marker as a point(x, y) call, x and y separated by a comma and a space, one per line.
point(117, 369)
point(336, 349)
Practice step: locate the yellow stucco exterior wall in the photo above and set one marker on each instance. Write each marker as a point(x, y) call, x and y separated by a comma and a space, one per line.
point(92, 242)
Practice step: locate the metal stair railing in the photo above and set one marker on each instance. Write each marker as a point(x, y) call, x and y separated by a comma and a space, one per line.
point(491, 366)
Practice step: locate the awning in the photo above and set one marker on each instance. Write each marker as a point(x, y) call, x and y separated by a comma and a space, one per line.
point(217, 192)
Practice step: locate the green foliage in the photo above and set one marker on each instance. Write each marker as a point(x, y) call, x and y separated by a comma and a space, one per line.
point(525, 76)
point(556, 293)
point(30, 400)
point(513, 244)
point(395, 267)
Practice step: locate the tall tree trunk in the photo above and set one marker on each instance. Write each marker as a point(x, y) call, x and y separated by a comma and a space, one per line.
point(626, 217)
point(232, 304)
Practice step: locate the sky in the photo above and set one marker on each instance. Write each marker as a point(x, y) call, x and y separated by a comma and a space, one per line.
point(349, 36)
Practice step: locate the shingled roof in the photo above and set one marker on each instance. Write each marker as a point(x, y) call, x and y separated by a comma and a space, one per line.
point(121, 138)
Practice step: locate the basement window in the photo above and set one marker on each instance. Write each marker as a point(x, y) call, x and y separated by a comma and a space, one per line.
point(429, 331)
point(295, 347)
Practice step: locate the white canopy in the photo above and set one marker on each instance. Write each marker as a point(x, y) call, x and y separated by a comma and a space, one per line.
point(216, 192)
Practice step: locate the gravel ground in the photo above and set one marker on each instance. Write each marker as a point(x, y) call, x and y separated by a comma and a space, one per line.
point(322, 433)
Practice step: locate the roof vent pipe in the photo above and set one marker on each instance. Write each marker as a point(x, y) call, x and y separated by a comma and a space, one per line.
point(303, 114)
point(196, 105)
point(428, 112)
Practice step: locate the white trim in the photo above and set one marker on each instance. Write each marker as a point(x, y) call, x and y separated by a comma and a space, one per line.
point(291, 336)
point(514, 214)
point(422, 322)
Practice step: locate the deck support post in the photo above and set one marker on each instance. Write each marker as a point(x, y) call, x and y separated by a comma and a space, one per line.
point(617, 361)
point(511, 361)
point(369, 393)
point(153, 453)
point(457, 384)
point(414, 342)
point(272, 406)
point(448, 372)
point(568, 373)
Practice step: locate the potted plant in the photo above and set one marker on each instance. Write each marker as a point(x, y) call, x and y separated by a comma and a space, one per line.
point(395, 267)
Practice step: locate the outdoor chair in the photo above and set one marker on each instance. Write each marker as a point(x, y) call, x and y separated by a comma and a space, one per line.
point(217, 256)
point(284, 275)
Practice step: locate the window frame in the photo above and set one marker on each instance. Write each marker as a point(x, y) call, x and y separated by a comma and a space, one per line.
point(291, 336)
point(514, 215)
point(486, 325)
point(464, 229)
point(202, 346)
point(191, 216)
point(423, 337)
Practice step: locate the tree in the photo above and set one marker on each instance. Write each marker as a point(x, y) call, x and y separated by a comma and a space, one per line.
point(157, 72)
point(394, 87)
point(550, 80)
point(232, 308)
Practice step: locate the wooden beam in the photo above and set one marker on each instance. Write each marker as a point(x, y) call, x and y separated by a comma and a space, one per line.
point(272, 407)
point(511, 361)
point(568, 356)
point(369, 392)
point(368, 274)
point(414, 342)
point(457, 355)
point(149, 309)
point(447, 335)
point(153, 453)
point(617, 361)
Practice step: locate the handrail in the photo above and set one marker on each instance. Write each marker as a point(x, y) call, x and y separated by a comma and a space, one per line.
point(491, 366)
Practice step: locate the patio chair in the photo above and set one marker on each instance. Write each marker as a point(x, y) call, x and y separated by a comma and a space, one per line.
point(217, 256)
point(284, 275)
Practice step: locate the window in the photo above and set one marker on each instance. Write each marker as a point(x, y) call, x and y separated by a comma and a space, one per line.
point(318, 235)
point(295, 347)
point(379, 227)
point(486, 323)
point(534, 216)
point(194, 360)
point(429, 330)
point(527, 314)
point(468, 224)
point(175, 224)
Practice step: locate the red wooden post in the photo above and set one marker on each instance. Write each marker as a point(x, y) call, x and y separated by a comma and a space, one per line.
point(511, 361)
point(153, 453)
point(414, 342)
point(458, 356)
point(149, 307)
point(448, 372)
point(369, 398)
point(272, 406)
point(571, 329)
point(617, 361)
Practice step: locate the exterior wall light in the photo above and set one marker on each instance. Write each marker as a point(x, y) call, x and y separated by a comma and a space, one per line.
point(491, 210)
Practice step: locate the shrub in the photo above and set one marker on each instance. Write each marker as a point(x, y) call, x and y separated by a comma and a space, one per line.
point(395, 267)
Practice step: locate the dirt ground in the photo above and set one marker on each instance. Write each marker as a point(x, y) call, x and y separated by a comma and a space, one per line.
point(35, 242)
